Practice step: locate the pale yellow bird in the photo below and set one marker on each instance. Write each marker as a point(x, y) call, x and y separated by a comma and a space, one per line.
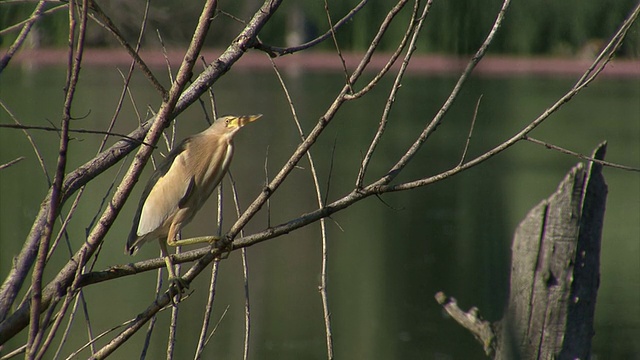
point(181, 185)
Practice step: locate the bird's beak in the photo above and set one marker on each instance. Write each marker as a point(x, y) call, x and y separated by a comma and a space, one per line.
point(245, 119)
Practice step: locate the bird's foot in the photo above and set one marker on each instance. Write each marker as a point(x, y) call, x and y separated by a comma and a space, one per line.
point(225, 249)
point(177, 287)
point(212, 239)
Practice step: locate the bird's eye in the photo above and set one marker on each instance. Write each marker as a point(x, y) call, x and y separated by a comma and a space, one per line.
point(226, 122)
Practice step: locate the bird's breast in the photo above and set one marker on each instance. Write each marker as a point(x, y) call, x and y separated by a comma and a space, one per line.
point(213, 170)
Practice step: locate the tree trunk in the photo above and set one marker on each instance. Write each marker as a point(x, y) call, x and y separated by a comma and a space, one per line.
point(554, 275)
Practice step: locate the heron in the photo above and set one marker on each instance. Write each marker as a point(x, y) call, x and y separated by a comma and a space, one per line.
point(181, 185)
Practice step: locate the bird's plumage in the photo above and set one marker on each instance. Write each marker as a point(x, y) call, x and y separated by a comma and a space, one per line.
point(183, 182)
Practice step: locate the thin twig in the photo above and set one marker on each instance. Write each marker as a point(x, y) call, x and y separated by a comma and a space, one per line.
point(63, 233)
point(224, 313)
point(16, 26)
point(165, 55)
point(75, 57)
point(610, 49)
point(76, 131)
point(595, 69)
point(17, 43)
point(173, 327)
point(275, 51)
point(330, 172)
point(103, 20)
point(473, 124)
point(54, 328)
point(335, 44)
point(206, 319)
point(401, 46)
point(67, 329)
point(412, 31)
point(431, 127)
point(31, 141)
point(578, 155)
point(127, 79)
point(19, 350)
point(100, 336)
point(245, 274)
point(85, 311)
point(266, 181)
point(295, 157)
point(202, 341)
point(132, 99)
point(12, 162)
point(323, 226)
point(154, 319)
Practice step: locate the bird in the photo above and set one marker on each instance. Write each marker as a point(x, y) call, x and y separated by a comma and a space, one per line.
point(180, 186)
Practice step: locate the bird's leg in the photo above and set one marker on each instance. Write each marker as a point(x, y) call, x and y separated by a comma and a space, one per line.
point(179, 283)
point(195, 240)
point(203, 239)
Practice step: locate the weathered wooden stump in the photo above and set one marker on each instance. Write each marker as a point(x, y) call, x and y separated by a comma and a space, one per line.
point(554, 275)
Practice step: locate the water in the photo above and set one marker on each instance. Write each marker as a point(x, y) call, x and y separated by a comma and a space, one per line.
point(387, 256)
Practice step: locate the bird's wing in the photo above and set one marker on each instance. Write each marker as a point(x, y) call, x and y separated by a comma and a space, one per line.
point(168, 187)
point(187, 193)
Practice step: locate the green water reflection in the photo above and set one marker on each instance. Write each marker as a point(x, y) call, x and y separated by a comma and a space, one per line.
point(386, 260)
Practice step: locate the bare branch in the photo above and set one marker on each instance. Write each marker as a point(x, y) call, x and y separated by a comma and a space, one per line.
point(202, 341)
point(12, 162)
point(297, 154)
point(413, 28)
point(206, 319)
point(173, 325)
point(217, 324)
point(431, 127)
point(77, 131)
point(53, 331)
point(33, 146)
point(335, 44)
point(245, 277)
point(102, 19)
point(100, 336)
point(127, 79)
point(16, 26)
point(35, 332)
point(471, 321)
point(152, 323)
point(41, 308)
point(473, 124)
point(323, 225)
point(106, 159)
point(610, 49)
point(589, 75)
point(35, 16)
point(412, 31)
point(327, 210)
point(275, 51)
point(578, 155)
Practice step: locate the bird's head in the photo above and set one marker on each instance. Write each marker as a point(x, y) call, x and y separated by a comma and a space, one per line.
point(232, 123)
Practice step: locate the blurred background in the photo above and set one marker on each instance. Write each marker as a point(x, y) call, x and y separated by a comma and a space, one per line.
point(388, 256)
point(570, 27)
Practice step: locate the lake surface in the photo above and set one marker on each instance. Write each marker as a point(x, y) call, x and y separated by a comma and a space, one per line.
point(387, 256)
